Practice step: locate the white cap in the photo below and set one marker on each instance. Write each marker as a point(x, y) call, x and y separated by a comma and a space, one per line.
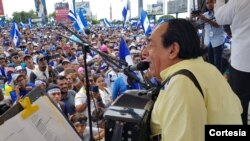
point(18, 68)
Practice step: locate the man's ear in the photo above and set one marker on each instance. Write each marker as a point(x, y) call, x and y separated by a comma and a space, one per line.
point(174, 50)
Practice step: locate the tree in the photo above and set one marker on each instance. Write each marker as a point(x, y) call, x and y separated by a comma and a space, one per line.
point(24, 16)
point(95, 21)
point(52, 15)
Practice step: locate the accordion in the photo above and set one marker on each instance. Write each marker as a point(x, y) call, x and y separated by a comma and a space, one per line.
point(127, 119)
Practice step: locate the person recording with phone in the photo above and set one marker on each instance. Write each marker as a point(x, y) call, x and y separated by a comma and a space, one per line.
point(236, 13)
point(102, 90)
point(214, 34)
point(21, 87)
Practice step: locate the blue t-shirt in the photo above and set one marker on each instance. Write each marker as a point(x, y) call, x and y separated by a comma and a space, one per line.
point(23, 92)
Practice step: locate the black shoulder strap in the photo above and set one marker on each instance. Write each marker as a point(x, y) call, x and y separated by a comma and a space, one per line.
point(185, 72)
point(191, 76)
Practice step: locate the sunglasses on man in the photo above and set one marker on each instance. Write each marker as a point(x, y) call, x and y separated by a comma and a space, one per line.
point(15, 57)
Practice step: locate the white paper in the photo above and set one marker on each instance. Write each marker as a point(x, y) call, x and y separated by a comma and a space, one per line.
point(47, 124)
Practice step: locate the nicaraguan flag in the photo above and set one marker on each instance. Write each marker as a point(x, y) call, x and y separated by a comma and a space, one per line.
point(106, 22)
point(133, 23)
point(15, 35)
point(124, 53)
point(82, 19)
point(77, 23)
point(72, 16)
point(145, 23)
point(22, 24)
point(30, 23)
point(124, 11)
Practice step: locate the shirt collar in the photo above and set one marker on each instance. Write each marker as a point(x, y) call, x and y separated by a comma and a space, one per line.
point(184, 64)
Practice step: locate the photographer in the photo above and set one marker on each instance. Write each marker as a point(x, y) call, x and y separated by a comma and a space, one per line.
point(21, 87)
point(214, 35)
point(236, 13)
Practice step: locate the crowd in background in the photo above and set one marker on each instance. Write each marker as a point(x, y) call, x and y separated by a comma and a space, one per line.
point(47, 60)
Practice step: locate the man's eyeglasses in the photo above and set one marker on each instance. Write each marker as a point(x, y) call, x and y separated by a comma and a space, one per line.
point(15, 57)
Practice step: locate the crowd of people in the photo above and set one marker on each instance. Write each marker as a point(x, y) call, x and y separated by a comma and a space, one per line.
point(55, 64)
point(47, 60)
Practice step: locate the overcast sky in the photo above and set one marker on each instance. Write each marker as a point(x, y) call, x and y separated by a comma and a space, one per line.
point(98, 7)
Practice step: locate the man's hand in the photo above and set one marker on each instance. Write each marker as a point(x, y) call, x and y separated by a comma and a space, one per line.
point(28, 88)
point(202, 17)
point(17, 90)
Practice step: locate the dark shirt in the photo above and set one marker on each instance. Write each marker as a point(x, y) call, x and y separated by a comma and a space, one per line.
point(70, 102)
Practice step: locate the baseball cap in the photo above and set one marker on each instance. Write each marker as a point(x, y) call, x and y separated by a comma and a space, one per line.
point(27, 56)
point(18, 68)
point(2, 56)
point(65, 61)
point(40, 57)
point(16, 76)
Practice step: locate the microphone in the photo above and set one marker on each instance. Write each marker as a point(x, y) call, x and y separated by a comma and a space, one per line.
point(141, 66)
point(87, 31)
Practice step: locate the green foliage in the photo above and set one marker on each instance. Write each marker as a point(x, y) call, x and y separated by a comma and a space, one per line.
point(24, 16)
point(95, 21)
point(52, 15)
point(101, 20)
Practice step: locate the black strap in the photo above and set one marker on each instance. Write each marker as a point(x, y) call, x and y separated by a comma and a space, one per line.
point(156, 138)
point(191, 76)
point(185, 72)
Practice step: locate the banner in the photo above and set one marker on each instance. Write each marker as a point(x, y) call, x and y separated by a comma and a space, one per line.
point(177, 6)
point(41, 8)
point(1, 8)
point(155, 9)
point(84, 7)
point(62, 10)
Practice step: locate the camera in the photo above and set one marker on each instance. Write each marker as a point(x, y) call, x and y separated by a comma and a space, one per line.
point(196, 12)
point(95, 89)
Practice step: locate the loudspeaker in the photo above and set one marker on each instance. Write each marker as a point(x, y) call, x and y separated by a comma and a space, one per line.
point(127, 119)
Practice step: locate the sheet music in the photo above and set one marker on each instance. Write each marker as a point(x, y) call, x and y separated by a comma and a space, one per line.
point(47, 124)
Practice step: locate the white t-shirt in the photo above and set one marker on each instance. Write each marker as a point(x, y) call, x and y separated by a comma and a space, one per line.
point(81, 98)
point(86, 133)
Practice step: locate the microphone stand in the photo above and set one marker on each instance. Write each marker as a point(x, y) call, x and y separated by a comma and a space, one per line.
point(112, 60)
point(85, 49)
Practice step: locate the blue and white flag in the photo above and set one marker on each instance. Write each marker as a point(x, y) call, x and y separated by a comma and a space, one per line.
point(106, 22)
point(15, 35)
point(124, 11)
point(30, 23)
point(72, 16)
point(145, 23)
point(22, 24)
point(82, 19)
point(124, 53)
point(79, 21)
point(133, 23)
